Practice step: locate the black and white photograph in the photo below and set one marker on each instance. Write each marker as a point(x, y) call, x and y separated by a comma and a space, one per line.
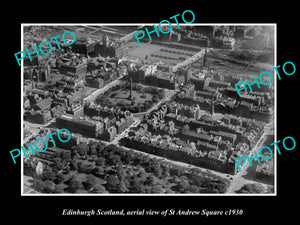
point(155, 115)
point(139, 113)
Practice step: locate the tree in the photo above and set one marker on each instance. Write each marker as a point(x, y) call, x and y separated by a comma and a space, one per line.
point(161, 94)
point(154, 167)
point(137, 186)
point(58, 189)
point(112, 183)
point(251, 188)
point(98, 188)
point(49, 175)
point(90, 182)
point(79, 167)
point(58, 163)
point(49, 186)
point(75, 155)
point(122, 187)
point(75, 185)
point(38, 185)
point(183, 185)
point(98, 171)
point(59, 178)
point(220, 186)
point(194, 189)
point(175, 171)
point(120, 172)
point(100, 161)
point(92, 150)
point(93, 158)
point(66, 155)
point(127, 158)
point(100, 146)
point(137, 160)
point(73, 165)
point(82, 149)
point(87, 168)
point(151, 180)
point(157, 189)
point(155, 98)
point(115, 160)
point(125, 181)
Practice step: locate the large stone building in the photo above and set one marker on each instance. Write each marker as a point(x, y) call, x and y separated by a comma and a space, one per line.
point(84, 127)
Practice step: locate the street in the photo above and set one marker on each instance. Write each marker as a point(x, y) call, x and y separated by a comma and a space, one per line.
point(238, 179)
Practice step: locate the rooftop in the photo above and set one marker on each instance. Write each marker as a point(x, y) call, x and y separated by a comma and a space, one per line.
point(44, 103)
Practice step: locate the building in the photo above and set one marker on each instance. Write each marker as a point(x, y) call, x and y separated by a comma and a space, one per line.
point(41, 93)
point(107, 76)
point(40, 117)
point(185, 72)
point(73, 66)
point(218, 84)
point(256, 100)
point(26, 103)
point(44, 104)
point(76, 125)
point(198, 82)
point(225, 136)
point(162, 67)
point(187, 91)
point(265, 172)
point(196, 153)
point(109, 134)
point(75, 109)
point(94, 81)
point(80, 46)
point(124, 122)
point(205, 94)
point(138, 76)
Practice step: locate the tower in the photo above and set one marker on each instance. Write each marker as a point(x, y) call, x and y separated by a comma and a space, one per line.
point(213, 105)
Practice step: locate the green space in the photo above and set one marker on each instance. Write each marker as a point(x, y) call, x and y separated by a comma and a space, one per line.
point(255, 188)
point(95, 168)
point(143, 97)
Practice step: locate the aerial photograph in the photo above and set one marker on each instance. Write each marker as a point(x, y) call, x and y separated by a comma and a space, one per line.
point(152, 115)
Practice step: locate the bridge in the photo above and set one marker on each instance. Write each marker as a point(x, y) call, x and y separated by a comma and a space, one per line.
point(190, 59)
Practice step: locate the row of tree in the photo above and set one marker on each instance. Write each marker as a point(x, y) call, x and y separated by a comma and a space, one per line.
point(116, 170)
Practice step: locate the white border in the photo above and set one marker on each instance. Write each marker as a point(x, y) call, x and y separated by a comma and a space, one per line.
point(147, 24)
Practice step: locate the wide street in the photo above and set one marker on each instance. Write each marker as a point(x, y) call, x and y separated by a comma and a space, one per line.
point(238, 180)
